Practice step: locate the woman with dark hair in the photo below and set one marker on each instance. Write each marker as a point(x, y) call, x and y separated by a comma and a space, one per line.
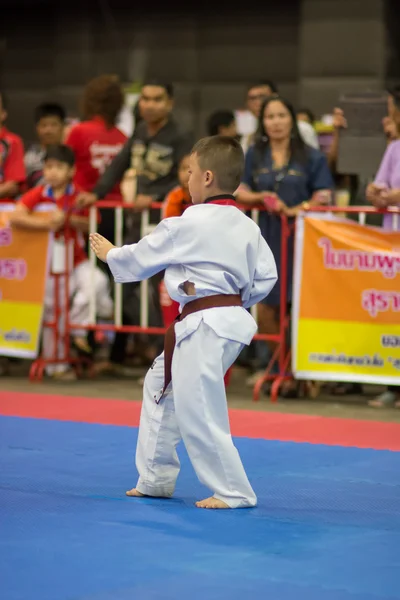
point(287, 176)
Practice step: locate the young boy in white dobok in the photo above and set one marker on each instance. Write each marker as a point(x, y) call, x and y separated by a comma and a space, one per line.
point(216, 266)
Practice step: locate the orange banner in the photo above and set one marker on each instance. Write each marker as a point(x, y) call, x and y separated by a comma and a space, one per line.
point(346, 304)
point(23, 269)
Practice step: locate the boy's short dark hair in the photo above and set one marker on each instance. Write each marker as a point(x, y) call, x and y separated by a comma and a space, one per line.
point(49, 109)
point(219, 118)
point(394, 91)
point(4, 101)
point(222, 155)
point(183, 157)
point(264, 83)
point(308, 112)
point(61, 153)
point(168, 87)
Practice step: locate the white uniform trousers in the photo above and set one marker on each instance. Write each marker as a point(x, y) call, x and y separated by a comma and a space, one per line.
point(193, 408)
point(79, 294)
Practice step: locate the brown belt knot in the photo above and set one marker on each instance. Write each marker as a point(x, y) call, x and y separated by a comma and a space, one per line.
point(216, 301)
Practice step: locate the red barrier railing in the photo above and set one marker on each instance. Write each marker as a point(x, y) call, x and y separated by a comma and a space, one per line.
point(281, 354)
point(61, 308)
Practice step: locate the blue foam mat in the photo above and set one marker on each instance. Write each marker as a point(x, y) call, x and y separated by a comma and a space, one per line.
point(327, 526)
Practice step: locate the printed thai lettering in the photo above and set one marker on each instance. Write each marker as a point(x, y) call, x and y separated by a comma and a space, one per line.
point(349, 260)
point(13, 268)
point(344, 359)
point(5, 236)
point(390, 341)
point(14, 335)
point(375, 301)
point(395, 362)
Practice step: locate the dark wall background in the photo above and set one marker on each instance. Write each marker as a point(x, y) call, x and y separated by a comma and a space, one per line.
point(314, 49)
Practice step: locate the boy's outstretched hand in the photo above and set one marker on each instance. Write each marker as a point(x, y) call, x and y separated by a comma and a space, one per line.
point(100, 246)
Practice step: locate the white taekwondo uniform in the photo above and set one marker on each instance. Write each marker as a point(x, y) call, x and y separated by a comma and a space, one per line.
point(221, 251)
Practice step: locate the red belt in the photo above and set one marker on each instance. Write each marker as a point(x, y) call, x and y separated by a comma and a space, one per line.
point(217, 301)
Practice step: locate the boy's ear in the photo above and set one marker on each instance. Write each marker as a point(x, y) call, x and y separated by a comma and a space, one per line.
point(209, 177)
point(3, 116)
point(73, 171)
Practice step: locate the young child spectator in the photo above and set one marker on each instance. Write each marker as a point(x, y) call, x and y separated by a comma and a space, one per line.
point(175, 204)
point(178, 199)
point(49, 122)
point(222, 122)
point(12, 168)
point(59, 191)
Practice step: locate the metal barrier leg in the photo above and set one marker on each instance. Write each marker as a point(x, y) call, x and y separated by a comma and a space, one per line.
point(261, 381)
point(280, 352)
point(59, 324)
point(280, 379)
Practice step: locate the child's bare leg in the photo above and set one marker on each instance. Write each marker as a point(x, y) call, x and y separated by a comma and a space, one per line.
point(156, 457)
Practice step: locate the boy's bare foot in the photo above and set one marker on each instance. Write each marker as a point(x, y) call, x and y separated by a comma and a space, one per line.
point(100, 246)
point(211, 503)
point(135, 493)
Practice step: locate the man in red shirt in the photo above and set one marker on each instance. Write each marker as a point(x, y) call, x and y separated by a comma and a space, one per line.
point(12, 168)
point(59, 194)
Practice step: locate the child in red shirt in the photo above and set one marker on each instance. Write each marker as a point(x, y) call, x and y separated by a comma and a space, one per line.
point(12, 168)
point(59, 195)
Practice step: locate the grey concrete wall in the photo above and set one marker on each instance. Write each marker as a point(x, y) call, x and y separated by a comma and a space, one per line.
point(313, 49)
point(342, 49)
point(210, 58)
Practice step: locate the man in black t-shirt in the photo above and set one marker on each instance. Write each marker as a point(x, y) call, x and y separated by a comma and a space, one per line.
point(153, 154)
point(153, 151)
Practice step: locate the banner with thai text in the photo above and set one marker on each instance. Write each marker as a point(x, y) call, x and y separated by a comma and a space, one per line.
point(23, 270)
point(346, 302)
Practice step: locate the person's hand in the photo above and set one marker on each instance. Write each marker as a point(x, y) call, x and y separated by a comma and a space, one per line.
point(269, 200)
point(339, 121)
point(272, 202)
point(390, 128)
point(390, 197)
point(142, 202)
point(100, 246)
point(56, 220)
point(292, 211)
point(374, 194)
point(280, 207)
point(85, 199)
point(322, 197)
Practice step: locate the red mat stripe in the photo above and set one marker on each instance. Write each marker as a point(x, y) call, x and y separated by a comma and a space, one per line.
point(244, 423)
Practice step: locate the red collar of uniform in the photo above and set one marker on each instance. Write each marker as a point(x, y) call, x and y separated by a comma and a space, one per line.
point(3, 131)
point(222, 199)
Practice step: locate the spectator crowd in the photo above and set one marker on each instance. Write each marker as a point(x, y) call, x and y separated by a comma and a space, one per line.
point(74, 167)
